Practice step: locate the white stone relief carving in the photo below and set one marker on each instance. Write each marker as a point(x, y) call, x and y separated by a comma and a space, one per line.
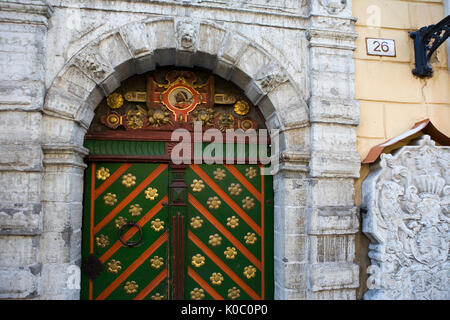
point(91, 63)
point(333, 6)
point(187, 35)
point(408, 223)
point(270, 76)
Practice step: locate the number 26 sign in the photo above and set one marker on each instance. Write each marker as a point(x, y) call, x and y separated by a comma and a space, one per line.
point(380, 47)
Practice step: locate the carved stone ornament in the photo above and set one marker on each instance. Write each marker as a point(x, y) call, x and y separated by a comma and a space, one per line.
point(333, 6)
point(407, 221)
point(187, 34)
point(91, 63)
point(270, 76)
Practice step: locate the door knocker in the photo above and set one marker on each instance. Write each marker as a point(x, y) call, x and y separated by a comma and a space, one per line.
point(131, 243)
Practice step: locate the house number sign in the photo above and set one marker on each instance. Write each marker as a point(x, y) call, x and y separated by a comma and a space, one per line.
point(380, 47)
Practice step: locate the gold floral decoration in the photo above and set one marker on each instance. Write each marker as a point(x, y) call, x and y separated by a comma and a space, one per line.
point(241, 108)
point(250, 238)
point(102, 173)
point(157, 262)
point(131, 287)
point(114, 266)
point(157, 296)
point(248, 203)
point(219, 174)
point(198, 260)
point(128, 180)
point(114, 100)
point(216, 278)
point(110, 199)
point(102, 241)
point(197, 185)
point(213, 202)
point(158, 117)
point(205, 115)
point(136, 117)
point(230, 253)
point(151, 193)
point(225, 121)
point(251, 172)
point(197, 294)
point(215, 240)
point(234, 293)
point(232, 222)
point(120, 221)
point(235, 189)
point(135, 210)
point(196, 222)
point(250, 272)
point(157, 225)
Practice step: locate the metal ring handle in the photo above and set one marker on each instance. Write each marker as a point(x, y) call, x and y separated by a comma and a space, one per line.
point(131, 243)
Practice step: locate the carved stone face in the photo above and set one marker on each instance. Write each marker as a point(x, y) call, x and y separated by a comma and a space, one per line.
point(187, 35)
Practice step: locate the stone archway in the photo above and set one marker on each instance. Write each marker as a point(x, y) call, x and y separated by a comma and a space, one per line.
point(98, 69)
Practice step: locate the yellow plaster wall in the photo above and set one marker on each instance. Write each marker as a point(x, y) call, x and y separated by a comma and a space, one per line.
point(391, 98)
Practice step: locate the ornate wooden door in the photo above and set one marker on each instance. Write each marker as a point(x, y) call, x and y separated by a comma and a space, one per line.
point(125, 231)
point(184, 232)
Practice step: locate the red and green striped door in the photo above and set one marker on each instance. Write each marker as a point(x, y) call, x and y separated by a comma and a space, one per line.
point(194, 232)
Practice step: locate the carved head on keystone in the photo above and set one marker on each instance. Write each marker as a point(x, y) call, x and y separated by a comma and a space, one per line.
point(186, 35)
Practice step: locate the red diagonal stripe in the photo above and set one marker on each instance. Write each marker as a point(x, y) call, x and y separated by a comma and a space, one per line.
point(205, 285)
point(152, 176)
point(105, 185)
point(241, 213)
point(124, 275)
point(224, 231)
point(152, 285)
point(127, 236)
point(222, 266)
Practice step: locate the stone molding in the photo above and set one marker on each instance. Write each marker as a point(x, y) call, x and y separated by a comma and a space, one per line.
point(25, 11)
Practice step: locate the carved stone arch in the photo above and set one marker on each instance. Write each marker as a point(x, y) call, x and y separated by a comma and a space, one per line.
point(98, 68)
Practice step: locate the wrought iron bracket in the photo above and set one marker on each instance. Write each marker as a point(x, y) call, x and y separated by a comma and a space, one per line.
point(426, 41)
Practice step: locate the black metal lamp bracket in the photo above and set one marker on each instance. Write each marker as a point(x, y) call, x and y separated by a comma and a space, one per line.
point(426, 41)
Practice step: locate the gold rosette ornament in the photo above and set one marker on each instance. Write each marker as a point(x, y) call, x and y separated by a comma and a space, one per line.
point(250, 238)
point(213, 202)
point(102, 241)
point(157, 262)
point(232, 222)
point(135, 210)
point(216, 278)
point(251, 172)
point(102, 173)
point(157, 225)
point(120, 221)
point(197, 185)
point(241, 108)
point(219, 174)
point(114, 266)
point(250, 272)
point(197, 294)
point(110, 199)
point(157, 296)
point(215, 240)
point(114, 100)
point(248, 203)
point(234, 293)
point(198, 260)
point(128, 180)
point(196, 222)
point(131, 287)
point(230, 253)
point(151, 193)
point(235, 189)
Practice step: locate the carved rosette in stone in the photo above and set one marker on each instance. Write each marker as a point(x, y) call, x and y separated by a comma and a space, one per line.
point(407, 221)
